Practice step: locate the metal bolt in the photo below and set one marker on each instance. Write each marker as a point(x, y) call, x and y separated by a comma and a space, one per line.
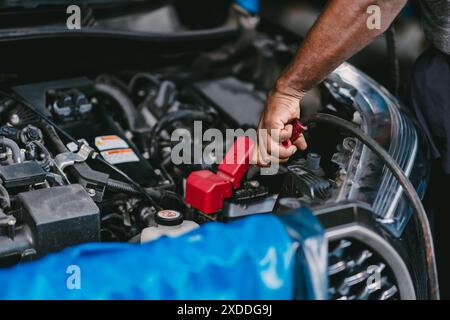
point(91, 192)
point(14, 119)
point(12, 221)
point(254, 183)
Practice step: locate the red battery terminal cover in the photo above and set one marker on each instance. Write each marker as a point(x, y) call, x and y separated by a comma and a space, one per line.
point(206, 190)
point(297, 130)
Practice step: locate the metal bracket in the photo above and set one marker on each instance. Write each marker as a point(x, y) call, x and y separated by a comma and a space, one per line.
point(66, 159)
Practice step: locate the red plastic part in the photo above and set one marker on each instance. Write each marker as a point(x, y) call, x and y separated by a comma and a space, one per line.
point(297, 130)
point(237, 161)
point(206, 190)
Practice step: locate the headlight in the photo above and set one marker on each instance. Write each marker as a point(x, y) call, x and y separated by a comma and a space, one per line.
point(383, 119)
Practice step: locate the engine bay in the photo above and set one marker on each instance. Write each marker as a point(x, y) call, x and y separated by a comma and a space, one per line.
point(55, 194)
point(122, 133)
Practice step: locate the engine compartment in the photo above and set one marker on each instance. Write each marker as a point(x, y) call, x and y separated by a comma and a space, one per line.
point(54, 194)
point(88, 137)
point(106, 156)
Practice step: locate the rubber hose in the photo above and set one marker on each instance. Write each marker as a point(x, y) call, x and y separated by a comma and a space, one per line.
point(167, 120)
point(11, 144)
point(120, 186)
point(55, 140)
point(122, 100)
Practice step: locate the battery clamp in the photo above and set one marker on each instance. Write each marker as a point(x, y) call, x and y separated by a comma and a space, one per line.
point(206, 190)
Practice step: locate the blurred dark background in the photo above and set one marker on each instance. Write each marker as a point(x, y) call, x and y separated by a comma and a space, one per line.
point(299, 15)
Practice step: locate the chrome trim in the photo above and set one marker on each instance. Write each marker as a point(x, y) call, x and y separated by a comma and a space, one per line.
point(383, 120)
point(385, 203)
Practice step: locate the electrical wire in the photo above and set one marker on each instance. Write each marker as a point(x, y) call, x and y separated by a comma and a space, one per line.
point(131, 181)
point(408, 188)
point(205, 216)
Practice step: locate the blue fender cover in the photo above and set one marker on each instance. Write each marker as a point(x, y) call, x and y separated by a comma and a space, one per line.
point(311, 270)
point(252, 258)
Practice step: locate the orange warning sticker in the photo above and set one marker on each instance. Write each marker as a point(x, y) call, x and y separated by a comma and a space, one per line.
point(110, 142)
point(120, 156)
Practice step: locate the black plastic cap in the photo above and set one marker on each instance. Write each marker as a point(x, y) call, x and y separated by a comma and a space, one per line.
point(168, 218)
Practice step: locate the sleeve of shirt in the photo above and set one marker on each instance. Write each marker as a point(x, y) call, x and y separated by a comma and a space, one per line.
point(251, 6)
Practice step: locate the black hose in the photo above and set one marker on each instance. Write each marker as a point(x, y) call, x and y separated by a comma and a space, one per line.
point(54, 139)
point(122, 100)
point(170, 198)
point(408, 188)
point(140, 76)
point(136, 185)
point(169, 119)
point(119, 186)
point(12, 145)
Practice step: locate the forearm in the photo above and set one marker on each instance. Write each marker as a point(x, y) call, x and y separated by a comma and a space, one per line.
point(340, 32)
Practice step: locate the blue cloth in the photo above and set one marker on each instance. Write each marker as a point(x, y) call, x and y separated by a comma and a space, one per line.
point(252, 258)
point(310, 276)
point(251, 6)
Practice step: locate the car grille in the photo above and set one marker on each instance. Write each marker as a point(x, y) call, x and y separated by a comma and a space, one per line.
point(356, 272)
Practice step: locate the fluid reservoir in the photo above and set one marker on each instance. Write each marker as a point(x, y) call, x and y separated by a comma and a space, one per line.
point(170, 223)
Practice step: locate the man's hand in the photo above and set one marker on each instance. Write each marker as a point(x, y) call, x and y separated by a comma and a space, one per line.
point(339, 33)
point(274, 127)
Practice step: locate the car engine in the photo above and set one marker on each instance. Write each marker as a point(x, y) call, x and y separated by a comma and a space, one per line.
point(88, 159)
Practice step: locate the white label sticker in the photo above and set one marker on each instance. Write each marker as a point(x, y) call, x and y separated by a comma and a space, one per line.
point(110, 142)
point(120, 156)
